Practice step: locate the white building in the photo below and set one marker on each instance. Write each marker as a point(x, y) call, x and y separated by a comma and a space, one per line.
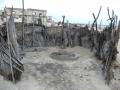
point(49, 21)
point(30, 15)
point(17, 13)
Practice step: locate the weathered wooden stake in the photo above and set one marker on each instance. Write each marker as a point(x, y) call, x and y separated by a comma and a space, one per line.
point(23, 26)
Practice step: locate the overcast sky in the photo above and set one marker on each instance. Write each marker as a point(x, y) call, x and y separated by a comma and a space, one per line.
point(76, 11)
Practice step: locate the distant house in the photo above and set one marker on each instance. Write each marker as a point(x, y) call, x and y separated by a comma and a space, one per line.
point(30, 15)
point(17, 13)
point(50, 22)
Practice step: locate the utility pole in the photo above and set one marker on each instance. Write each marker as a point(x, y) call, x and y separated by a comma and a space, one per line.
point(23, 26)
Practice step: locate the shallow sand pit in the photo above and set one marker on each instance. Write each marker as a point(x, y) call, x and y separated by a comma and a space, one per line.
point(64, 55)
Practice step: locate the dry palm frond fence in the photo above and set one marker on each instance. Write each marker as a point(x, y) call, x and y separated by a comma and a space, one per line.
point(10, 65)
point(105, 43)
point(102, 43)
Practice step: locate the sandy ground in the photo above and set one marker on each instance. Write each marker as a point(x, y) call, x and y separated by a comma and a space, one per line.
point(44, 73)
point(115, 85)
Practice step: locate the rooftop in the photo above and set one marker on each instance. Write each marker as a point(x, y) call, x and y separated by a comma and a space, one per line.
point(36, 9)
point(26, 9)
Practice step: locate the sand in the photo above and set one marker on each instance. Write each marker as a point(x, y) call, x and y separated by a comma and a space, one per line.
point(44, 73)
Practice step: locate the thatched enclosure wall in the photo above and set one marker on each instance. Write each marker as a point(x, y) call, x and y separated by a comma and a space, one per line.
point(103, 43)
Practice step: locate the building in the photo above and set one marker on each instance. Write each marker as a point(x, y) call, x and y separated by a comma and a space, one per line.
point(30, 15)
point(17, 14)
point(49, 21)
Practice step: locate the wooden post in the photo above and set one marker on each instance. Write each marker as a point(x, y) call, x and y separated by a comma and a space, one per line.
point(62, 37)
point(23, 26)
point(33, 31)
